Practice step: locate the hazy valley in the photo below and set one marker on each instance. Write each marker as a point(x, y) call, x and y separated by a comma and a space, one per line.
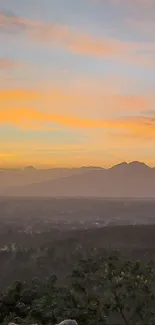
point(37, 234)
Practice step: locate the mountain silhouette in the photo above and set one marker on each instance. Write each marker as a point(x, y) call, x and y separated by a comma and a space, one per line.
point(135, 180)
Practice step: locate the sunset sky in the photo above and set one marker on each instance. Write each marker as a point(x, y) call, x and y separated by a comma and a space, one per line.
point(77, 82)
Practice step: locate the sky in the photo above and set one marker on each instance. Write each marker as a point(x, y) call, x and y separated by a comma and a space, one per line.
point(77, 82)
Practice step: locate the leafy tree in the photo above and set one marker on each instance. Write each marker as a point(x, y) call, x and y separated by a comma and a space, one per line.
point(100, 290)
point(125, 290)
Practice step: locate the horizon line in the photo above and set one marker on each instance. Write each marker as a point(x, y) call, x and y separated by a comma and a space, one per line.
point(31, 167)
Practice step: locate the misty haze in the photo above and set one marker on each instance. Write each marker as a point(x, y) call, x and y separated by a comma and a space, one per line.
point(51, 220)
point(132, 180)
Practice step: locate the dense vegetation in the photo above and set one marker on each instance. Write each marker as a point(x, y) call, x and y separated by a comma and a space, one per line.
point(53, 239)
point(101, 289)
point(24, 256)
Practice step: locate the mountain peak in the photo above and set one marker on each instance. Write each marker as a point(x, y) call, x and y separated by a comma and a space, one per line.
point(123, 164)
point(92, 167)
point(134, 179)
point(138, 164)
point(133, 166)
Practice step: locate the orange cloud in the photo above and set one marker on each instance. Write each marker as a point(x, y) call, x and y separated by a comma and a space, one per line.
point(80, 43)
point(10, 95)
point(6, 155)
point(7, 64)
point(122, 136)
point(141, 127)
point(92, 101)
point(22, 117)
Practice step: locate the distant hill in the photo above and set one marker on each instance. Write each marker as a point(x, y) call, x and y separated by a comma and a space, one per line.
point(28, 175)
point(133, 179)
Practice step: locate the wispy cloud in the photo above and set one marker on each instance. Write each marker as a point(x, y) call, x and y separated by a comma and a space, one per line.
point(22, 117)
point(143, 127)
point(100, 100)
point(6, 155)
point(77, 42)
point(14, 95)
point(61, 35)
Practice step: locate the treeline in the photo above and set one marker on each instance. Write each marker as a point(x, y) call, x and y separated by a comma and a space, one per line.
point(29, 256)
point(100, 289)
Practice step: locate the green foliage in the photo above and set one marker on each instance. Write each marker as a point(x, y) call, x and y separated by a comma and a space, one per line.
point(100, 290)
point(126, 290)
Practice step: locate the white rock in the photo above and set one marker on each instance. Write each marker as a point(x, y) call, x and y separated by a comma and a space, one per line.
point(68, 322)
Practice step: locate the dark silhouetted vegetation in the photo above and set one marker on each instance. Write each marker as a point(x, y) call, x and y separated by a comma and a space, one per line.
point(48, 270)
point(101, 289)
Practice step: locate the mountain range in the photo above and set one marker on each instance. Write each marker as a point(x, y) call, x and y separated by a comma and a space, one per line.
point(133, 180)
